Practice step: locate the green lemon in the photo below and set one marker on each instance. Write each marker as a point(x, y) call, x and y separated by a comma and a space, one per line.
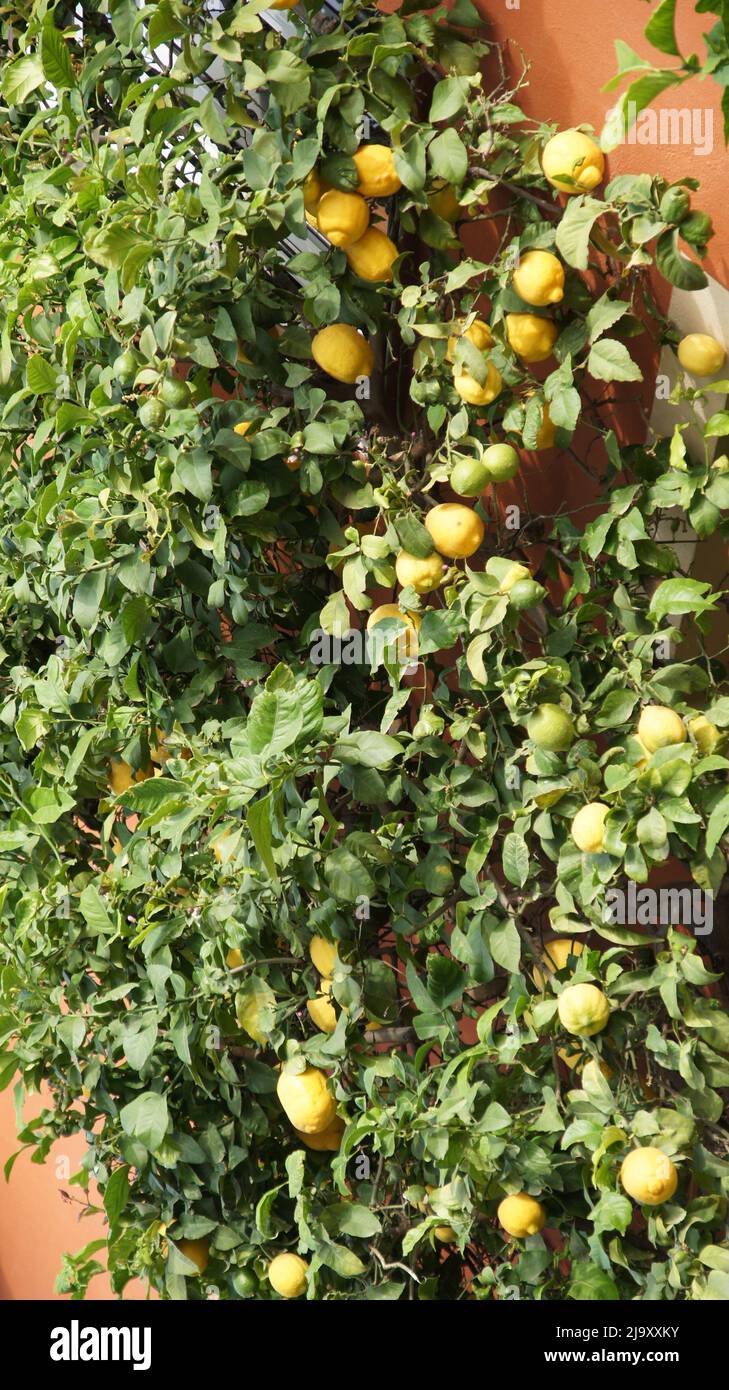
point(152, 413)
point(469, 478)
point(174, 393)
point(551, 728)
point(125, 367)
point(501, 462)
point(245, 1283)
point(526, 593)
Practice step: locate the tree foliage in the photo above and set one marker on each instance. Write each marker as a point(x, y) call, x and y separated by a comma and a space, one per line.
point(163, 578)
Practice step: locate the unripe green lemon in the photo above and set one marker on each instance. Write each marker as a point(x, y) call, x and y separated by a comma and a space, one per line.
point(245, 1283)
point(521, 1215)
point(551, 728)
point(502, 462)
point(583, 1010)
point(152, 413)
point(526, 593)
point(649, 1176)
point(469, 478)
point(659, 727)
point(174, 393)
point(588, 827)
point(125, 367)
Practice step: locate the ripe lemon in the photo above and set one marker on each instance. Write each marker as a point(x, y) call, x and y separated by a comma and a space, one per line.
point(571, 158)
point(328, 1139)
point(443, 201)
point(323, 955)
point(424, 574)
point(472, 392)
point(551, 728)
point(502, 462)
point(649, 1176)
point(588, 827)
point(521, 1215)
point(321, 1010)
point(287, 1273)
point(457, 531)
point(530, 337)
point(234, 959)
point(539, 278)
point(701, 354)
point(659, 727)
point(242, 427)
point(196, 1250)
point(342, 352)
point(583, 1010)
point(514, 575)
point(445, 1234)
point(705, 735)
point(405, 642)
point(283, 4)
point(313, 189)
point(373, 255)
point(477, 333)
point(546, 432)
point(342, 217)
point(378, 177)
point(307, 1100)
point(121, 777)
point(555, 957)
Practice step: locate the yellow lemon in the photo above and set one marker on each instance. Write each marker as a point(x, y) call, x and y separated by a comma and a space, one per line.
point(530, 337)
point(551, 728)
point(521, 1215)
point(555, 957)
point(477, 333)
point(572, 162)
point(307, 1100)
point(323, 955)
point(424, 574)
point(659, 727)
point(196, 1250)
point(539, 278)
point(282, 4)
point(443, 201)
point(121, 777)
point(313, 189)
point(705, 735)
point(588, 827)
point(321, 1010)
point(287, 1274)
point(546, 432)
point(445, 1234)
point(342, 217)
point(472, 392)
point(701, 354)
point(234, 959)
point(373, 256)
point(583, 1010)
point(649, 1176)
point(327, 1140)
point(457, 531)
point(342, 352)
point(406, 642)
point(378, 177)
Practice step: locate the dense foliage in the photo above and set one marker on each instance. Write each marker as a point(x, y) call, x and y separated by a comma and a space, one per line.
point(163, 578)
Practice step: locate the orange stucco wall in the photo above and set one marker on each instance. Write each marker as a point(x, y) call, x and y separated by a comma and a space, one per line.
point(569, 44)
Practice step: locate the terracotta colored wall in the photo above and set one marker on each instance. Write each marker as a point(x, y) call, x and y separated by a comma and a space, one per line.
point(569, 43)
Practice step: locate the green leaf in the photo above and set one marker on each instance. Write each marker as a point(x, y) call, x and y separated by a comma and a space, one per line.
point(259, 821)
point(661, 28)
point(676, 267)
point(610, 360)
point(516, 859)
point(589, 1283)
point(575, 228)
point(41, 375)
point(448, 156)
point(449, 98)
point(146, 1119)
point(20, 79)
point(55, 57)
point(116, 1194)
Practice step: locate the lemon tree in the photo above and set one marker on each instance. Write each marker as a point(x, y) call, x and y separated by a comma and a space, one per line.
point(276, 911)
